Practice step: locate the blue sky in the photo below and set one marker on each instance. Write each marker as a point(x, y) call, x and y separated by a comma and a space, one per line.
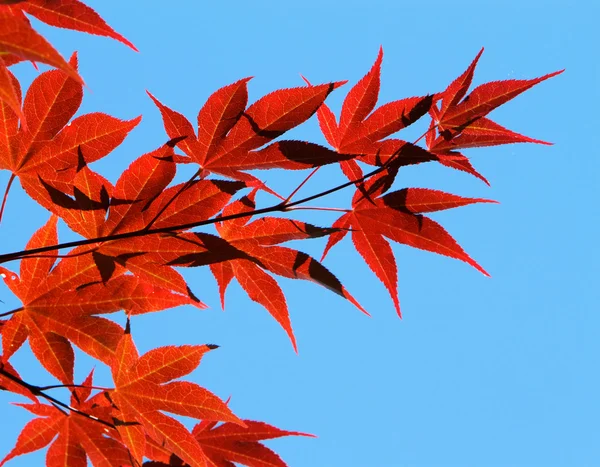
point(480, 371)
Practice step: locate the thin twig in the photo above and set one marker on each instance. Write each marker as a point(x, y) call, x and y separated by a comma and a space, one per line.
point(11, 312)
point(281, 207)
point(181, 190)
point(316, 208)
point(37, 391)
point(8, 185)
point(287, 200)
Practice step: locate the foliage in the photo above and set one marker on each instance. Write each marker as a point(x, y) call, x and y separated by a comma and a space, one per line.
point(137, 232)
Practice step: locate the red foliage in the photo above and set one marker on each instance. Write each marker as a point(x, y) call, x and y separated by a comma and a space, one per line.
point(138, 231)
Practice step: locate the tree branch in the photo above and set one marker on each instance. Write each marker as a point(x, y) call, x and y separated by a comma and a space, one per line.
point(280, 207)
point(37, 391)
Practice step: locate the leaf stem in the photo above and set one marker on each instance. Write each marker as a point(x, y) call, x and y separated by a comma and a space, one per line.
point(287, 200)
point(185, 186)
point(425, 134)
point(8, 185)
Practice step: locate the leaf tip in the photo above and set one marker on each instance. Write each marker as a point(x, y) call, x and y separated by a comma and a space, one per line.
point(72, 69)
point(212, 346)
point(337, 84)
point(74, 60)
point(151, 96)
point(173, 141)
point(352, 300)
point(480, 269)
point(550, 75)
point(397, 306)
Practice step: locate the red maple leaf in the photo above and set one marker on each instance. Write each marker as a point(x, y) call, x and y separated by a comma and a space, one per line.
point(52, 314)
point(49, 148)
point(398, 216)
point(459, 122)
point(77, 436)
point(19, 38)
point(140, 199)
point(71, 14)
point(362, 128)
point(254, 247)
point(483, 99)
point(60, 303)
point(143, 389)
point(229, 133)
point(228, 443)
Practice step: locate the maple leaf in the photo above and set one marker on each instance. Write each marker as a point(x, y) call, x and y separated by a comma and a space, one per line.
point(398, 216)
point(143, 388)
point(76, 437)
point(228, 443)
point(53, 314)
point(483, 99)
point(456, 90)
point(451, 159)
point(60, 303)
point(85, 210)
point(247, 249)
point(362, 127)
point(458, 113)
point(72, 14)
point(459, 122)
point(139, 200)
point(50, 147)
point(19, 38)
point(228, 132)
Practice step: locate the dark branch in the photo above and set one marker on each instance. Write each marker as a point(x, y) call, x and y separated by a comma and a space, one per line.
point(281, 207)
point(37, 391)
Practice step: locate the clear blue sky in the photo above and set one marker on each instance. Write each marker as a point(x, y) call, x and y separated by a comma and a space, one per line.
point(480, 371)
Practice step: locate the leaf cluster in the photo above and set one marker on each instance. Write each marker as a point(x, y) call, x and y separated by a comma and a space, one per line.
point(138, 233)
